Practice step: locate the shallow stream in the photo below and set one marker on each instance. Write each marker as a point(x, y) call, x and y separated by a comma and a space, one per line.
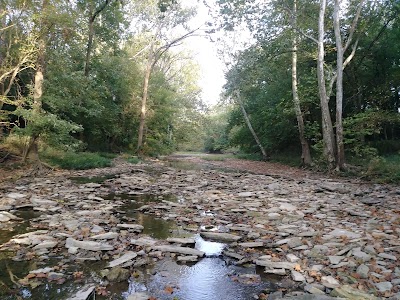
point(211, 278)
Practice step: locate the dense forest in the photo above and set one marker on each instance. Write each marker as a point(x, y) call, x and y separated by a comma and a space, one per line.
point(318, 80)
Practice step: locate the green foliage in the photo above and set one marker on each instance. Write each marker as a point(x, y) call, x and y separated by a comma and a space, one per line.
point(384, 169)
point(133, 160)
point(75, 160)
point(215, 128)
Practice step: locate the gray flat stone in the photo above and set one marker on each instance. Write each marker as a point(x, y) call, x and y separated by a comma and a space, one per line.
point(144, 241)
point(220, 236)
point(184, 241)
point(251, 244)
point(296, 276)
point(88, 245)
point(180, 250)
point(139, 296)
point(275, 265)
point(84, 293)
point(123, 259)
point(350, 293)
point(362, 271)
point(387, 256)
point(133, 227)
point(385, 286)
point(105, 236)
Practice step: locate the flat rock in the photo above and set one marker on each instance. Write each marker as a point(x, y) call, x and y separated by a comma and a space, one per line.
point(186, 258)
point(275, 265)
point(183, 241)
point(329, 281)
point(347, 292)
point(88, 245)
point(342, 232)
point(118, 274)
point(6, 216)
point(313, 290)
point(220, 236)
point(292, 258)
point(133, 227)
point(362, 271)
point(144, 241)
point(180, 250)
point(139, 296)
point(334, 259)
point(42, 202)
point(105, 236)
point(385, 286)
point(45, 245)
point(296, 276)
point(387, 256)
point(123, 259)
point(251, 244)
point(84, 293)
point(281, 272)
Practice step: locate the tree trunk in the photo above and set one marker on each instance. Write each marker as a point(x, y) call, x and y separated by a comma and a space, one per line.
point(339, 88)
point(327, 128)
point(248, 123)
point(89, 45)
point(144, 104)
point(305, 149)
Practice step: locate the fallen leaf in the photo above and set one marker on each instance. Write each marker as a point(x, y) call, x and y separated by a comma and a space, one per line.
point(30, 275)
point(168, 290)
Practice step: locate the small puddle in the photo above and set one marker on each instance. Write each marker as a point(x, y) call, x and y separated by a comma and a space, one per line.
point(8, 230)
point(153, 226)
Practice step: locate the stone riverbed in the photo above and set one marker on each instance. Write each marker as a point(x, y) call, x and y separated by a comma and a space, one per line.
point(152, 231)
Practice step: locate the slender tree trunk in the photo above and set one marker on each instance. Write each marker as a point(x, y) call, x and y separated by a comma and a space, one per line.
point(339, 88)
point(327, 128)
point(305, 149)
point(144, 103)
point(89, 45)
point(248, 123)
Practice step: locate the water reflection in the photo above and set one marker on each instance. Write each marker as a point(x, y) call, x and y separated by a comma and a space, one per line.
point(209, 279)
point(209, 248)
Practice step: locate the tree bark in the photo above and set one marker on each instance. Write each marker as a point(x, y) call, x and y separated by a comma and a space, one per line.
point(339, 88)
point(305, 149)
point(248, 123)
point(327, 128)
point(144, 103)
point(89, 46)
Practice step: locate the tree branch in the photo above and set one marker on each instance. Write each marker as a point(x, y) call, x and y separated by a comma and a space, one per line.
point(353, 26)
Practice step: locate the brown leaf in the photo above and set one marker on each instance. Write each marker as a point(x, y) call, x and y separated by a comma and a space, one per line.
point(41, 275)
point(168, 290)
point(30, 275)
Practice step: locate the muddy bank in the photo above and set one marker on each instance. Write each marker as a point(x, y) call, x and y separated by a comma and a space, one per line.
point(135, 231)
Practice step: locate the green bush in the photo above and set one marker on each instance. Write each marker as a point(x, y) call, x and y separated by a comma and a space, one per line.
point(76, 160)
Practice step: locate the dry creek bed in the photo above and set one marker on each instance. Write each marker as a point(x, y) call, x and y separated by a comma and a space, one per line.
point(315, 238)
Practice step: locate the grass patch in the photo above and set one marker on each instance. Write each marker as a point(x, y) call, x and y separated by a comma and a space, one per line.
point(250, 156)
point(133, 160)
point(75, 160)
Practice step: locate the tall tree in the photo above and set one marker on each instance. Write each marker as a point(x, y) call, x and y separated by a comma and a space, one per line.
point(305, 148)
point(167, 17)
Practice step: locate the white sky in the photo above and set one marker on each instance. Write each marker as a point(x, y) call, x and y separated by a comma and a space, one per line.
point(205, 53)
